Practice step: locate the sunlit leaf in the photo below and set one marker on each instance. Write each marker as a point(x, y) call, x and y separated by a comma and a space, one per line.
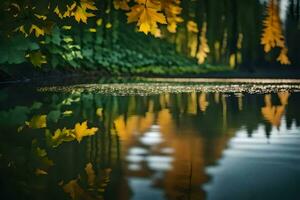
point(108, 25)
point(68, 112)
point(99, 112)
point(37, 30)
point(192, 27)
point(147, 17)
point(82, 130)
point(37, 121)
point(60, 136)
point(121, 4)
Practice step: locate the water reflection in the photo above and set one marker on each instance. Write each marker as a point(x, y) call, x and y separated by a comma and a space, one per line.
point(85, 145)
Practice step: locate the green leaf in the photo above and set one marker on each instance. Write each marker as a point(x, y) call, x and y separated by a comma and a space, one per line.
point(37, 59)
point(54, 116)
point(36, 105)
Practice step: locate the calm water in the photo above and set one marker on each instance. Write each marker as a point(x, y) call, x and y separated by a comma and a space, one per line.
point(82, 144)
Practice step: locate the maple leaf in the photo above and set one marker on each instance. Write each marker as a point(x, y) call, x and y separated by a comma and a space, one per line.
point(82, 130)
point(82, 15)
point(147, 15)
point(78, 10)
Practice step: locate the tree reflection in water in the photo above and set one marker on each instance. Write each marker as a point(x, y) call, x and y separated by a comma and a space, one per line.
point(85, 145)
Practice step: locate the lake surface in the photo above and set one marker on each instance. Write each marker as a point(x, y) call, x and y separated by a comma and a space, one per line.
point(150, 141)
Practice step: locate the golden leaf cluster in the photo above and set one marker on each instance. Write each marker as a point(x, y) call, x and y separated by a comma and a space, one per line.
point(149, 13)
point(80, 11)
point(66, 135)
point(272, 33)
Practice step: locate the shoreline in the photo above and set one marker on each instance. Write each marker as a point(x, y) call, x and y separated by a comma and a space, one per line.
point(60, 77)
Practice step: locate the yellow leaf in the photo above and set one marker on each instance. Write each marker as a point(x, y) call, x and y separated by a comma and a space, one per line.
point(192, 27)
point(60, 136)
point(42, 17)
point(121, 4)
point(99, 22)
point(147, 17)
point(92, 30)
point(67, 27)
point(172, 9)
point(38, 121)
point(172, 27)
point(38, 31)
point(108, 25)
point(57, 12)
point(88, 4)
point(81, 130)
point(99, 112)
point(68, 112)
point(134, 14)
point(80, 15)
point(22, 30)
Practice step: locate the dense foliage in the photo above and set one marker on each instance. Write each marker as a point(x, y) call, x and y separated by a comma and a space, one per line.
point(103, 35)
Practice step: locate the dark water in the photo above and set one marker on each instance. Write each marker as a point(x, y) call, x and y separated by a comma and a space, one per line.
point(193, 145)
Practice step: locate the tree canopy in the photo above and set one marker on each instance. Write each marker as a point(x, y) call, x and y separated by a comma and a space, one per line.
point(82, 32)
